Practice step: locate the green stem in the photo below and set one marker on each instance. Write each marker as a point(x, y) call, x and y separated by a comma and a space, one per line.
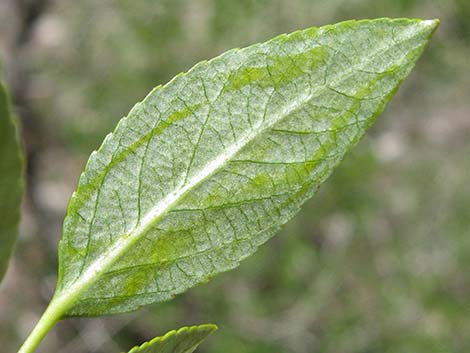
point(51, 316)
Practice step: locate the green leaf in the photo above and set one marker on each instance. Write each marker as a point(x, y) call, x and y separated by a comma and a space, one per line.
point(184, 340)
point(208, 167)
point(11, 180)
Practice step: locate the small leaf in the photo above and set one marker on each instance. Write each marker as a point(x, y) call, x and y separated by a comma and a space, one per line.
point(211, 165)
point(11, 180)
point(184, 340)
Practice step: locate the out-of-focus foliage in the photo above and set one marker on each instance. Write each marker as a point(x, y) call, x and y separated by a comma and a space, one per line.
point(378, 262)
point(11, 180)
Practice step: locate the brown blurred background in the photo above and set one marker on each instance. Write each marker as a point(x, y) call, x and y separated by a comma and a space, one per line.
point(378, 261)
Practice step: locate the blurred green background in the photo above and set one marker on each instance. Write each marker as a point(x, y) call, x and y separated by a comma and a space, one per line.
point(378, 261)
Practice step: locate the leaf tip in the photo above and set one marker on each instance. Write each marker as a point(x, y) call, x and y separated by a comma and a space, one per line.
point(211, 328)
point(431, 24)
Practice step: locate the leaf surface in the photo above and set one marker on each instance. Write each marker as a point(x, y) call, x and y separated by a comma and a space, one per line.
point(184, 340)
point(209, 166)
point(11, 180)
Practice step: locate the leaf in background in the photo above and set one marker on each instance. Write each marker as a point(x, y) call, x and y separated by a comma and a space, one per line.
point(184, 340)
point(209, 166)
point(11, 180)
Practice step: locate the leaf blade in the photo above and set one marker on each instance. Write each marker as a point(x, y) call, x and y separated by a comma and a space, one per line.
point(183, 340)
point(233, 147)
point(11, 180)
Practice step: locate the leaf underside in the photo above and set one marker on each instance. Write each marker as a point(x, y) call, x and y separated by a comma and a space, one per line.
point(208, 167)
point(184, 340)
point(11, 181)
